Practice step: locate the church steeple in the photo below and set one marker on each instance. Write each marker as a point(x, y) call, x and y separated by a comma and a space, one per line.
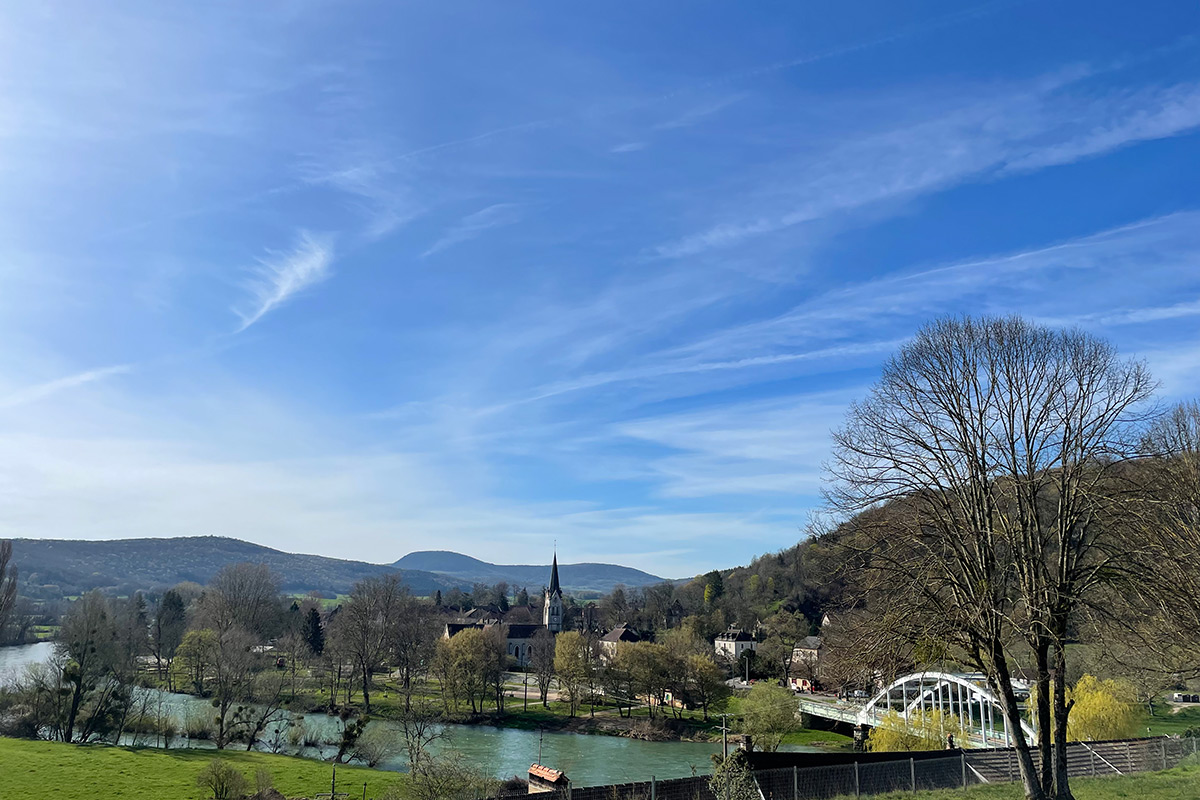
point(554, 576)
point(552, 611)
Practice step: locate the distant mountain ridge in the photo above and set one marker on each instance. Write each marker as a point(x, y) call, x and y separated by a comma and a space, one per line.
point(60, 567)
point(585, 577)
point(124, 565)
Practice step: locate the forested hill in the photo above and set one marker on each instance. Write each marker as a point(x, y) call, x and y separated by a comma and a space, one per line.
point(56, 567)
point(51, 568)
point(573, 577)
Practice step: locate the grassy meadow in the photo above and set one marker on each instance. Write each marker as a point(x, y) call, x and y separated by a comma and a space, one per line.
point(35, 769)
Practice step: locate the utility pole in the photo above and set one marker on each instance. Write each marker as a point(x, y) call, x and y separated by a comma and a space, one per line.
point(724, 736)
point(526, 687)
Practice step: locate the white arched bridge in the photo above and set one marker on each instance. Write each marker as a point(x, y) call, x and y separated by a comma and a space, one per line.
point(964, 695)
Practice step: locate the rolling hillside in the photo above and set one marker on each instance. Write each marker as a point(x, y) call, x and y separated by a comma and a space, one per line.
point(52, 568)
point(56, 567)
point(574, 577)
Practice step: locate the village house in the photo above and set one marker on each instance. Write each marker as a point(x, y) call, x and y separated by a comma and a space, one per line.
point(807, 659)
point(610, 640)
point(730, 645)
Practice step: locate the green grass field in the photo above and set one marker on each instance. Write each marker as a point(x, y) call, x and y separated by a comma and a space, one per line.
point(38, 770)
point(1165, 723)
point(1181, 783)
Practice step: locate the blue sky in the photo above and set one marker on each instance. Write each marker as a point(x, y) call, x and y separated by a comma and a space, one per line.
point(359, 279)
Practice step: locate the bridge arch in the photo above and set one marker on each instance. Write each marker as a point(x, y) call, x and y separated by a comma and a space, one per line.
point(964, 695)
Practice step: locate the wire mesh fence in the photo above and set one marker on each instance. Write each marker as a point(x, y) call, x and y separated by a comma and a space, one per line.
point(903, 774)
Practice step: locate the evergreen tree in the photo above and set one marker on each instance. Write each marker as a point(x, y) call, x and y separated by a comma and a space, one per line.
point(437, 598)
point(313, 633)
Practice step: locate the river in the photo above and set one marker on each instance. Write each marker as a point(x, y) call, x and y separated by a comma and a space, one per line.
point(587, 759)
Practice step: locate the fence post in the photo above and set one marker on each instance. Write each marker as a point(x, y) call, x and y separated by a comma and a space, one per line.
point(653, 789)
point(912, 773)
point(963, 758)
point(857, 788)
point(795, 783)
point(1163, 744)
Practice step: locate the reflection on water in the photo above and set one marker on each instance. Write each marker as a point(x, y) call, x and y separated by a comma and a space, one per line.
point(13, 660)
point(587, 759)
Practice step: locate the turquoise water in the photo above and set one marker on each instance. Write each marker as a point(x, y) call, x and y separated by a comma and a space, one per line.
point(587, 760)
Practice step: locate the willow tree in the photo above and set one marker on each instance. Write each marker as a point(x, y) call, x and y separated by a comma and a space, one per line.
point(994, 446)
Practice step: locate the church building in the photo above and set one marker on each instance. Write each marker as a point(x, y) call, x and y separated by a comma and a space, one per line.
point(518, 622)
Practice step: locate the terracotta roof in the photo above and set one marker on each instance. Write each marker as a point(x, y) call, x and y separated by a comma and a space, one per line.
point(545, 773)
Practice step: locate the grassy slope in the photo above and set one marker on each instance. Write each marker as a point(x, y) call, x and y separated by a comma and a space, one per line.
point(1165, 723)
point(99, 772)
point(1181, 783)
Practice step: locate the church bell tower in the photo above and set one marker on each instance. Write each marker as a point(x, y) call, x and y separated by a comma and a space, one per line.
point(552, 612)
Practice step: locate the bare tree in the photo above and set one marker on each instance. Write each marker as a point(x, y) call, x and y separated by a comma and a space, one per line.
point(88, 642)
point(413, 635)
point(1164, 594)
point(541, 658)
point(420, 725)
point(8, 585)
point(373, 604)
point(995, 443)
point(244, 596)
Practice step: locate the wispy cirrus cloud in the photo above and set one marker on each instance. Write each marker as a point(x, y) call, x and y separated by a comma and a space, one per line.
point(474, 225)
point(281, 276)
point(32, 394)
point(1042, 123)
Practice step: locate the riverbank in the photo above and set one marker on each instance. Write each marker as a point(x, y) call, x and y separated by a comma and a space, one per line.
point(105, 772)
point(668, 725)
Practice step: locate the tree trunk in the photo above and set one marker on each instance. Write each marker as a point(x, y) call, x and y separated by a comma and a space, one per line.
point(1043, 716)
point(1002, 686)
point(366, 683)
point(1062, 779)
point(76, 699)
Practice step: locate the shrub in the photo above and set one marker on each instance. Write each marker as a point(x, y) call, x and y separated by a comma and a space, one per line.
point(222, 781)
point(732, 779)
point(198, 724)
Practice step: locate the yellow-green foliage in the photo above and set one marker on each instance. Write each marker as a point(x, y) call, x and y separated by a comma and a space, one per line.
point(768, 714)
point(1103, 709)
point(924, 730)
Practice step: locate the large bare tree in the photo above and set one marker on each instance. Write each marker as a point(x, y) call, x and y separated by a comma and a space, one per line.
point(1164, 594)
point(8, 585)
point(365, 625)
point(995, 445)
point(244, 596)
